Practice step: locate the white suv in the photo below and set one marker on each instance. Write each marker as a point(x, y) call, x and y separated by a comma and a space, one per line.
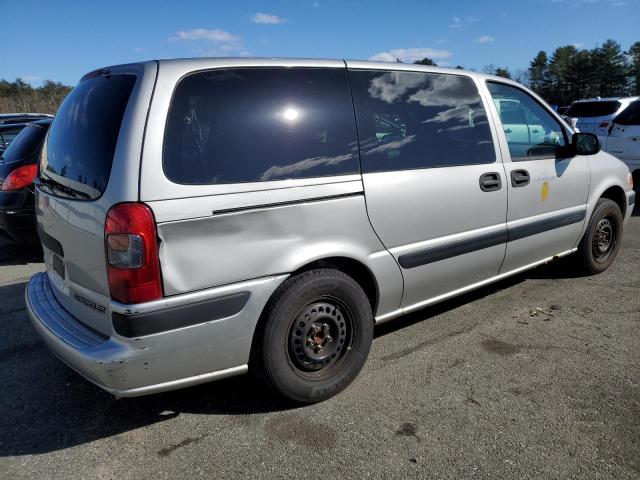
point(624, 139)
point(595, 115)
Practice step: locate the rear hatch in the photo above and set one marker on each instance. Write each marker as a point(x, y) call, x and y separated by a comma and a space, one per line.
point(74, 191)
point(593, 117)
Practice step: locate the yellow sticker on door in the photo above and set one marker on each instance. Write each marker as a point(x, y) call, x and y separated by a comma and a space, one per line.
point(545, 191)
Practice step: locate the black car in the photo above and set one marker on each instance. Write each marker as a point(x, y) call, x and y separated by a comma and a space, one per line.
point(18, 169)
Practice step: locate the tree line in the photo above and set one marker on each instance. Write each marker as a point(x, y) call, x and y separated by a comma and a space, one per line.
point(570, 73)
point(19, 96)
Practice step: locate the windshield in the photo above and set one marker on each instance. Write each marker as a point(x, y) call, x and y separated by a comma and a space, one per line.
point(593, 109)
point(630, 115)
point(26, 143)
point(82, 138)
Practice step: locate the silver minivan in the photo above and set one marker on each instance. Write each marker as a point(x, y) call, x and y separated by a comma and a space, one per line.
point(201, 218)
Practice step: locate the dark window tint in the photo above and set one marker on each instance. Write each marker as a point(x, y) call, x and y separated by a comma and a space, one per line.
point(630, 115)
point(7, 135)
point(82, 138)
point(26, 144)
point(260, 124)
point(592, 109)
point(530, 129)
point(409, 120)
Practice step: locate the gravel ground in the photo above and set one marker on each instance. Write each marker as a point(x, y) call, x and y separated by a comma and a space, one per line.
point(534, 377)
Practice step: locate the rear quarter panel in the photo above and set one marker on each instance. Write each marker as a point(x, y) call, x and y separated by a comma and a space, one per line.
point(224, 248)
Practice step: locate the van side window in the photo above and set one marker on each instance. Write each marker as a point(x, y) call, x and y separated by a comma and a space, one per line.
point(412, 120)
point(531, 130)
point(259, 124)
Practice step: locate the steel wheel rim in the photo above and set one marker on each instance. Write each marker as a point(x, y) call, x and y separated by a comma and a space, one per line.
point(320, 337)
point(604, 239)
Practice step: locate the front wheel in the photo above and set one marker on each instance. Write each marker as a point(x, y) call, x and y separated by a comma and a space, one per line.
point(602, 240)
point(314, 336)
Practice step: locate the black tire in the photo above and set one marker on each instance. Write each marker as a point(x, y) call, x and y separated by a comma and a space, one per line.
point(601, 242)
point(313, 337)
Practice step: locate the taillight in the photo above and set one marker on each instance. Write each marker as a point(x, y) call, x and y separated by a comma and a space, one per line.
point(131, 247)
point(604, 124)
point(20, 178)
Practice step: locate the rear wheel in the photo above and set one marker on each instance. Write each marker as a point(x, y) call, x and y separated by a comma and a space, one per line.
point(603, 237)
point(314, 336)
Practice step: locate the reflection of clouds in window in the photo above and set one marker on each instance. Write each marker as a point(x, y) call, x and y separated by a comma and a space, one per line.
point(390, 146)
point(461, 114)
point(294, 169)
point(391, 86)
point(447, 91)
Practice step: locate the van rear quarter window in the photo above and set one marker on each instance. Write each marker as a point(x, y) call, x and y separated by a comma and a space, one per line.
point(413, 120)
point(82, 139)
point(260, 124)
point(630, 115)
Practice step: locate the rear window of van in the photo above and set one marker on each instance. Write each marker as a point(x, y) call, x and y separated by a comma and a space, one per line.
point(593, 109)
point(260, 124)
point(82, 138)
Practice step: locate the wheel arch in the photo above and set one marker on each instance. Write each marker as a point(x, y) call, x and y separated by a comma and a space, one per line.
point(352, 267)
point(617, 194)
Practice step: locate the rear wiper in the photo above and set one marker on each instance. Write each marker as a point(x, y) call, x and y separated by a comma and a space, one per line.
point(60, 187)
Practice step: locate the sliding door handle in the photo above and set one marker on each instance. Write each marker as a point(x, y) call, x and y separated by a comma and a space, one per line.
point(519, 178)
point(490, 182)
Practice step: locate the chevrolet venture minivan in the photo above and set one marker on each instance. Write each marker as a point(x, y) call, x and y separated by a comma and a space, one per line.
point(201, 218)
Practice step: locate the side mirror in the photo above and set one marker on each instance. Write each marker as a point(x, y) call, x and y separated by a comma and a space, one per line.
point(585, 143)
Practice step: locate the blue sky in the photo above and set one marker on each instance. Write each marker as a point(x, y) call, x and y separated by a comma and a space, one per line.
point(61, 40)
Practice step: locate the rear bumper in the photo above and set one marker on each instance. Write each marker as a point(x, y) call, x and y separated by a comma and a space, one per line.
point(128, 367)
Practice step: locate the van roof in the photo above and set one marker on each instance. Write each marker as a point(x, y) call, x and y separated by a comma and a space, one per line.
point(211, 62)
point(324, 62)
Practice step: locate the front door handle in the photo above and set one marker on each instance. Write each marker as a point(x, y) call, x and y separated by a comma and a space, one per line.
point(490, 182)
point(519, 178)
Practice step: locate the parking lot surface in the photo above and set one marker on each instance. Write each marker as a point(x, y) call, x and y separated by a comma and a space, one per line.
point(537, 376)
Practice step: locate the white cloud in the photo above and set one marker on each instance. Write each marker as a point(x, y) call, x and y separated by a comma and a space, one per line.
point(215, 35)
point(459, 22)
point(485, 39)
point(441, 41)
point(578, 45)
point(31, 78)
point(409, 55)
point(218, 42)
point(267, 18)
point(139, 49)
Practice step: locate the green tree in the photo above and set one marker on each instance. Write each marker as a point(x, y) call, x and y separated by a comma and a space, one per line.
point(502, 72)
point(634, 68)
point(539, 77)
point(560, 75)
point(609, 68)
point(426, 61)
